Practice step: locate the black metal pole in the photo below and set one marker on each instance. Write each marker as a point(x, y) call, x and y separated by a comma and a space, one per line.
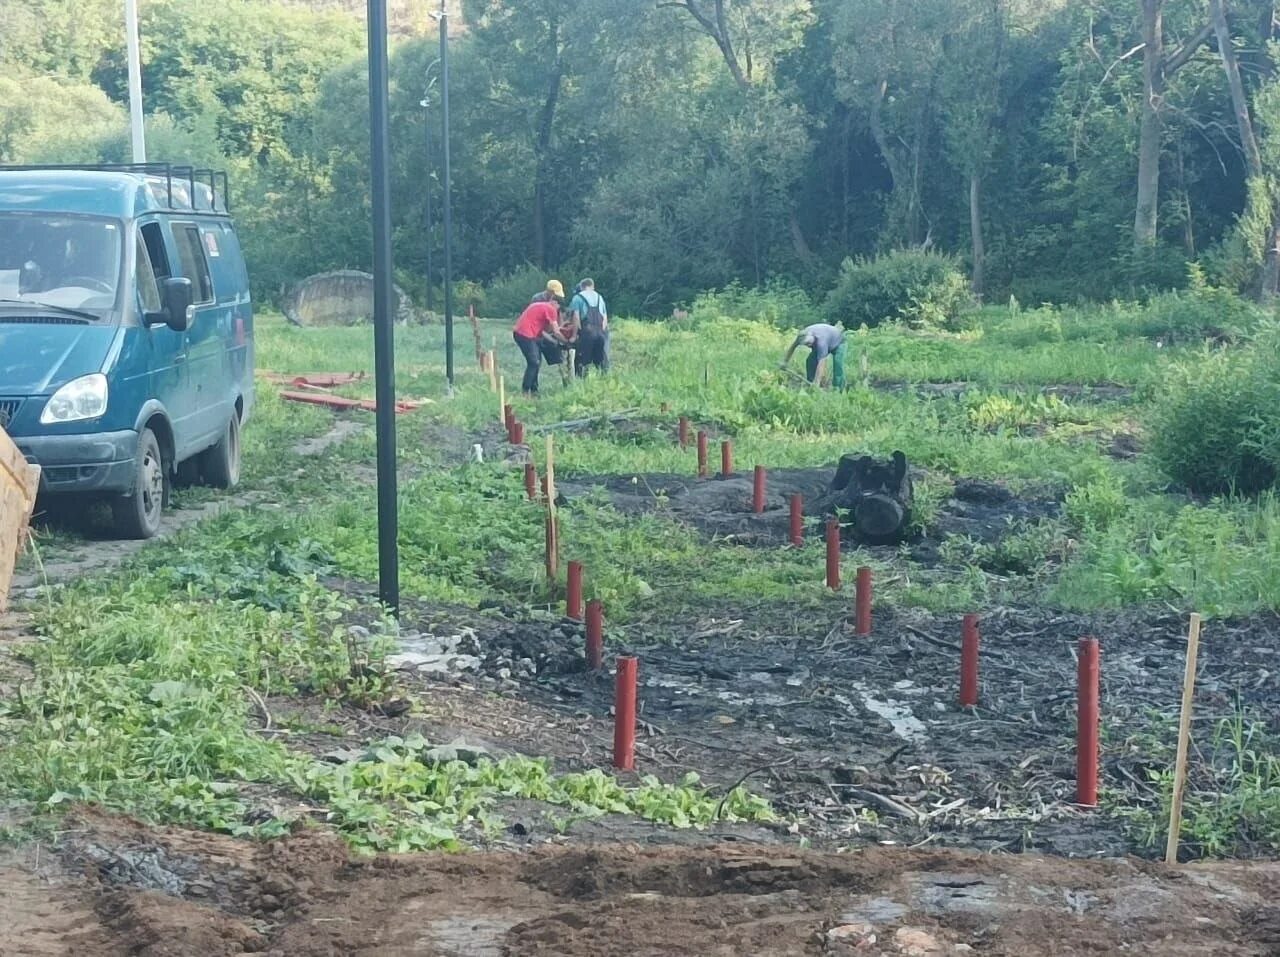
point(383, 332)
point(426, 190)
point(448, 197)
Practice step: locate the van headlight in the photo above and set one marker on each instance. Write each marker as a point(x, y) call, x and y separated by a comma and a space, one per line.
point(82, 398)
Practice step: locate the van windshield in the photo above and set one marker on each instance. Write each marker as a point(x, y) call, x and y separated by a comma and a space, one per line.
point(61, 261)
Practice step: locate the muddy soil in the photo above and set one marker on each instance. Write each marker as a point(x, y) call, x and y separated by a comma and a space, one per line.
point(721, 508)
point(156, 891)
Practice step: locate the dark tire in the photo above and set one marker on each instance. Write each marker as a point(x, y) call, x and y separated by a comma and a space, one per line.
point(220, 465)
point(138, 514)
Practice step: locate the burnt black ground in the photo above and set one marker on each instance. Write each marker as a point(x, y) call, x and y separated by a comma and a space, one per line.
point(830, 725)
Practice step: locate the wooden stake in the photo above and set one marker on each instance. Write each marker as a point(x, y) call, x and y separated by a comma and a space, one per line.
point(1184, 736)
point(553, 525)
point(502, 401)
point(551, 471)
point(492, 363)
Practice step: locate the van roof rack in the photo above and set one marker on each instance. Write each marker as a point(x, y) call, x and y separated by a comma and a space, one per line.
point(179, 187)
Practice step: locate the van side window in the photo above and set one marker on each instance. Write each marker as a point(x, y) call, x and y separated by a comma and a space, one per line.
point(148, 288)
point(194, 266)
point(154, 240)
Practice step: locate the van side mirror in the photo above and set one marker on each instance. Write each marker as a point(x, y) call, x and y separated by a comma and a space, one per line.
point(177, 296)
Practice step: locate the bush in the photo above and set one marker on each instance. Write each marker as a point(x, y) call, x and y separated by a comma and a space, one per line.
point(507, 295)
point(779, 303)
point(920, 288)
point(1098, 504)
point(1215, 426)
point(1198, 313)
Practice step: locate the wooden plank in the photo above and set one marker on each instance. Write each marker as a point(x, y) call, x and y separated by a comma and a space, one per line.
point(19, 482)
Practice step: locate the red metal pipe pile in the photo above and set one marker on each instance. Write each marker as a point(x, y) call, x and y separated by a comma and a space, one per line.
point(797, 520)
point(624, 715)
point(684, 432)
point(531, 481)
point(1087, 723)
point(573, 592)
point(757, 490)
point(969, 662)
point(595, 635)
point(833, 554)
point(702, 455)
point(726, 458)
point(862, 602)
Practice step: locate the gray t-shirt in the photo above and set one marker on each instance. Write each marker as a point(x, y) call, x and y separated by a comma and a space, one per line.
point(826, 338)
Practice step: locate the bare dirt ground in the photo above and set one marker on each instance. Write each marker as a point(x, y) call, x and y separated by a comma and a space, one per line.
point(157, 891)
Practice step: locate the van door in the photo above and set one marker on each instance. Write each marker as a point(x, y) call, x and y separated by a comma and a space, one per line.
point(231, 287)
point(167, 364)
point(207, 358)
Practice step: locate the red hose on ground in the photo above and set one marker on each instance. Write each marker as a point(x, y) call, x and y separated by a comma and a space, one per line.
point(624, 715)
point(1087, 723)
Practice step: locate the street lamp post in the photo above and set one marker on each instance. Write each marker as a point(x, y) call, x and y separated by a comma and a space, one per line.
point(383, 332)
point(425, 103)
point(448, 197)
point(137, 137)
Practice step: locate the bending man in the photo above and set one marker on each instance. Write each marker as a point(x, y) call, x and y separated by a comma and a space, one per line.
point(538, 324)
point(823, 340)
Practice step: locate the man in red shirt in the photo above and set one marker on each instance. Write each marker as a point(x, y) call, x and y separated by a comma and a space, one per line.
point(539, 322)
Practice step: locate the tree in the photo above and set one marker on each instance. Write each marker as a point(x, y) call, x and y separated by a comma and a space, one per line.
point(752, 35)
point(1157, 68)
point(887, 59)
point(972, 88)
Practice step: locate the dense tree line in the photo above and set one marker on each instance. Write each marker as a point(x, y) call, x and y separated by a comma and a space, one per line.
point(1062, 148)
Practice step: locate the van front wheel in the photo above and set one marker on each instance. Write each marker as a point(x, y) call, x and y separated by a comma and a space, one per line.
point(138, 514)
point(220, 465)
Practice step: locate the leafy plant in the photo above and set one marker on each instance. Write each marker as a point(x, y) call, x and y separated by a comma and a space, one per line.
point(924, 290)
point(1214, 425)
point(1098, 504)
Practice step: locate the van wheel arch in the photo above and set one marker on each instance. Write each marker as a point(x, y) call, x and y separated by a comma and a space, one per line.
point(163, 431)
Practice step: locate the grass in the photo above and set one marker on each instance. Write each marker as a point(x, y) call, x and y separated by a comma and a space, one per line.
point(145, 677)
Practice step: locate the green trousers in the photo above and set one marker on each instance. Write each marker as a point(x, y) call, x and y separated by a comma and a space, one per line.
point(837, 366)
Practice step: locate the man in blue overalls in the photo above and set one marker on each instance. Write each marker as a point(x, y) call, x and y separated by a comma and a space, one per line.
point(593, 322)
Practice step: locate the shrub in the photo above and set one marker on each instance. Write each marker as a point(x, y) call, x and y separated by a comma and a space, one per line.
point(779, 303)
point(1197, 313)
point(507, 295)
point(1215, 424)
point(919, 288)
point(1097, 504)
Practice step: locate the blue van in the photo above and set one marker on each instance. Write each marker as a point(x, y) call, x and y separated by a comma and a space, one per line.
point(126, 332)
